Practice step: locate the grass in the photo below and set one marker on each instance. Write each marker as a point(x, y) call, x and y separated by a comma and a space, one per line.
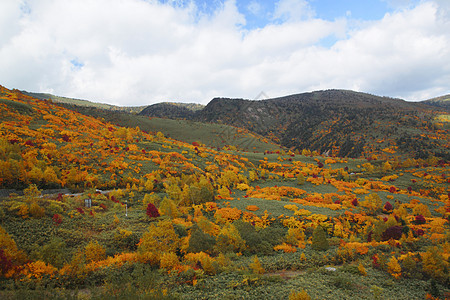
point(212, 135)
point(319, 284)
point(276, 208)
point(18, 106)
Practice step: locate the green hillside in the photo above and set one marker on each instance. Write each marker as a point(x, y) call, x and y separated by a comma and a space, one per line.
point(441, 102)
point(209, 134)
point(172, 110)
point(83, 103)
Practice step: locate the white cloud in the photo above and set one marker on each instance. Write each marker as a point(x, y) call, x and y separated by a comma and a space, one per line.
point(254, 7)
point(293, 10)
point(135, 52)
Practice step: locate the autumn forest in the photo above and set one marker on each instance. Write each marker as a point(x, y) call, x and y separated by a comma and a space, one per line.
point(337, 195)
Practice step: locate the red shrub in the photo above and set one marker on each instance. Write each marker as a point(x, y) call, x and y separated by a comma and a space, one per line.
point(388, 206)
point(66, 138)
point(420, 232)
point(60, 197)
point(57, 219)
point(152, 211)
point(375, 263)
point(394, 232)
point(5, 262)
point(419, 219)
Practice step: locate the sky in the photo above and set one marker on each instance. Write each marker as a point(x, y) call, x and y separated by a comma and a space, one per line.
point(140, 52)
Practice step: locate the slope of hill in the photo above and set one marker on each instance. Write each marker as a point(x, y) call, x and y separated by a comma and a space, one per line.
point(337, 122)
point(441, 102)
point(52, 146)
point(83, 103)
point(171, 110)
point(345, 123)
point(173, 125)
point(175, 220)
point(208, 134)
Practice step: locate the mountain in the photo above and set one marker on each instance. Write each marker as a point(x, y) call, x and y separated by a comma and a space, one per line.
point(441, 102)
point(171, 110)
point(49, 145)
point(83, 103)
point(337, 122)
point(340, 122)
point(167, 119)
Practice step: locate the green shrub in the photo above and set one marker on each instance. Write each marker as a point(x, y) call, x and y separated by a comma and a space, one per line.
point(54, 208)
point(353, 269)
point(253, 240)
point(342, 281)
point(54, 252)
point(201, 241)
point(319, 239)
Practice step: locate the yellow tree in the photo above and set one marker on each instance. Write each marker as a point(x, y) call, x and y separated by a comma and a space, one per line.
point(159, 238)
point(421, 209)
point(229, 239)
point(296, 237)
point(372, 203)
point(168, 208)
point(10, 255)
point(36, 211)
point(94, 252)
point(31, 192)
point(434, 263)
point(302, 295)
point(256, 266)
point(394, 267)
point(35, 174)
point(50, 176)
point(173, 191)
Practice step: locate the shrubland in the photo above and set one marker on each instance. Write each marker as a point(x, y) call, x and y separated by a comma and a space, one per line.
point(95, 210)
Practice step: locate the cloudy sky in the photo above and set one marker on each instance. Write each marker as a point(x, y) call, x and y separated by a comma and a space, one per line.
point(138, 52)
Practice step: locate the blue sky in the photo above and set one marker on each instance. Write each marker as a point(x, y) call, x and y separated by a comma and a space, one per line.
point(138, 52)
point(260, 13)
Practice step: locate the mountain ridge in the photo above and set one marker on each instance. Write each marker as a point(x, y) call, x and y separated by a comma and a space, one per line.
point(343, 123)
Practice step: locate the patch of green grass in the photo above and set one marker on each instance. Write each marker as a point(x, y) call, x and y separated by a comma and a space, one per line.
point(18, 106)
point(317, 283)
point(276, 208)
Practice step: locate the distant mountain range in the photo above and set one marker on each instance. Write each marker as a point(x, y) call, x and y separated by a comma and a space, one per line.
point(338, 122)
